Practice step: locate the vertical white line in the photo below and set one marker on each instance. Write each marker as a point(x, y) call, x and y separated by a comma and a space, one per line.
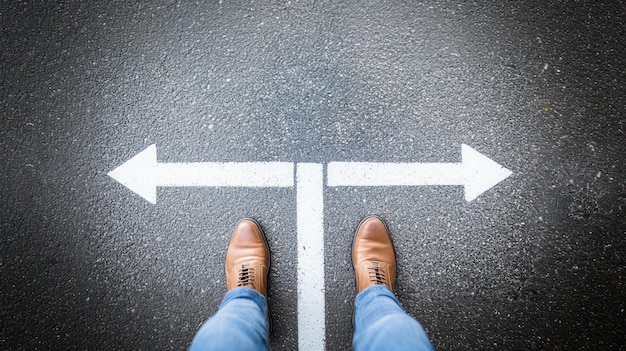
point(310, 226)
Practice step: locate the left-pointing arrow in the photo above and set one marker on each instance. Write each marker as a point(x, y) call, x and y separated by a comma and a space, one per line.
point(142, 174)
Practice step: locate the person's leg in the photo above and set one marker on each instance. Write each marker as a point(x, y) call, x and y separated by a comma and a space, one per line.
point(240, 324)
point(242, 320)
point(380, 323)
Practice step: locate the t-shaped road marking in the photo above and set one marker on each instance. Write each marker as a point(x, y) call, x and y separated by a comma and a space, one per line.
point(143, 174)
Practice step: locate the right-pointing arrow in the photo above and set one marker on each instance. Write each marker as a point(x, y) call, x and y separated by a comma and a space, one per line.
point(477, 173)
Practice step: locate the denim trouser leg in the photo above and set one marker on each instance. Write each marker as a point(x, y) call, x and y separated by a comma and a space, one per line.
point(240, 324)
point(380, 323)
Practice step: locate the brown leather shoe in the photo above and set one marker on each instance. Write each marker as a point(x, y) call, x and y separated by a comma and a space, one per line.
point(373, 257)
point(247, 258)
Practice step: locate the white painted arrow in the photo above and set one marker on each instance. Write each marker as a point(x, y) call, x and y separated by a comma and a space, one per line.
point(142, 174)
point(476, 172)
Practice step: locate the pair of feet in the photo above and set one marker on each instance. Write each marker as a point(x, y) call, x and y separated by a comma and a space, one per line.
point(248, 256)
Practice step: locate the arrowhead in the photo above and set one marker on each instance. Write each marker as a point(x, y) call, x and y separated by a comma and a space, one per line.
point(138, 174)
point(481, 173)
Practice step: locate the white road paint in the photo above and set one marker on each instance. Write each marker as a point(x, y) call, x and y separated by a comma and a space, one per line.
point(310, 227)
point(476, 172)
point(142, 174)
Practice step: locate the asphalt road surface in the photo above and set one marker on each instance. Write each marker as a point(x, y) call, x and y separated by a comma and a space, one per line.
point(535, 263)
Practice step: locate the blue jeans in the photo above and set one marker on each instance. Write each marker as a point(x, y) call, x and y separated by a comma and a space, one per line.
point(380, 323)
point(240, 324)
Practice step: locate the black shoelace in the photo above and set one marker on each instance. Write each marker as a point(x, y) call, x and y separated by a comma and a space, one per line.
point(246, 277)
point(377, 275)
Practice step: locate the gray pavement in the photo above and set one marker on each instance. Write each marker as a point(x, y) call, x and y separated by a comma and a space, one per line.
point(536, 263)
